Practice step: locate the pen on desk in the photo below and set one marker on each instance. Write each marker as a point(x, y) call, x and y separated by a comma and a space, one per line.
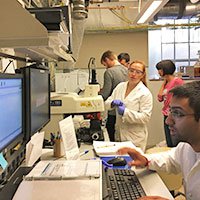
point(45, 169)
point(52, 139)
point(108, 145)
point(58, 135)
point(83, 153)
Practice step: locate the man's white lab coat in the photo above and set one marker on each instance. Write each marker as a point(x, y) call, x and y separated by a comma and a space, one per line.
point(180, 159)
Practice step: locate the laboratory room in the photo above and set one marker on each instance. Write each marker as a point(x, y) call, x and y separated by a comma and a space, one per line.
point(99, 100)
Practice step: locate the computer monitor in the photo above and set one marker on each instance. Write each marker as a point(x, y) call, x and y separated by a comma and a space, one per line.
point(37, 98)
point(11, 112)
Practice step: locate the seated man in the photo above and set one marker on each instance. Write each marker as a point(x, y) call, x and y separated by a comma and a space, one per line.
point(184, 121)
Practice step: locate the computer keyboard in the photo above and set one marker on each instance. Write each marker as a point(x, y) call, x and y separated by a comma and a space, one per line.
point(123, 184)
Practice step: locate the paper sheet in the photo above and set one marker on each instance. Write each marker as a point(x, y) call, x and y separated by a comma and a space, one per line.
point(68, 134)
point(103, 148)
point(34, 148)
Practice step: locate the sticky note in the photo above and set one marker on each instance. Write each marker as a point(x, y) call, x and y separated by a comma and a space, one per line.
point(3, 161)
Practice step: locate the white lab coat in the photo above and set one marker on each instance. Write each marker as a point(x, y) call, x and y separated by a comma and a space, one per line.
point(180, 159)
point(132, 126)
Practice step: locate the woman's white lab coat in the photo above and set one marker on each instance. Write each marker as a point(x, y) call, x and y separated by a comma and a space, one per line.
point(132, 125)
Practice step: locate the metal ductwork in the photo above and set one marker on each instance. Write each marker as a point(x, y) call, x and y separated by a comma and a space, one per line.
point(80, 9)
point(179, 9)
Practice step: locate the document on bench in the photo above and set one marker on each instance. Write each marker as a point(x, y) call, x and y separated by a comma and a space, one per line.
point(65, 169)
point(68, 135)
point(110, 148)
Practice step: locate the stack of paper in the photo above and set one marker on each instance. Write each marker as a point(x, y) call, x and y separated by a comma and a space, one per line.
point(110, 148)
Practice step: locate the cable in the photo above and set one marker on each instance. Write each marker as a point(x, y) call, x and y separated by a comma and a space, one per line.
point(123, 18)
point(13, 66)
point(123, 15)
point(7, 66)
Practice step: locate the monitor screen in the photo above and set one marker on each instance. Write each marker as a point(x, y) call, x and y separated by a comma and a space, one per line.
point(37, 98)
point(11, 100)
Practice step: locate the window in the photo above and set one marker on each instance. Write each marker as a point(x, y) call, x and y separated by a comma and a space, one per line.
point(179, 43)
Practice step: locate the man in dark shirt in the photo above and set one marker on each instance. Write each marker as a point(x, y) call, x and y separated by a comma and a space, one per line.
point(114, 74)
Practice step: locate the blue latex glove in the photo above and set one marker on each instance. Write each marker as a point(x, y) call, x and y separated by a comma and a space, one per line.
point(121, 109)
point(116, 102)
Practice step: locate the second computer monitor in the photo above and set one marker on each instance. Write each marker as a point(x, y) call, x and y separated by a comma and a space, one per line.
point(37, 98)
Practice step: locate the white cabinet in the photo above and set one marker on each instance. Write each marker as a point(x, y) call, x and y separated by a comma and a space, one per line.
point(21, 31)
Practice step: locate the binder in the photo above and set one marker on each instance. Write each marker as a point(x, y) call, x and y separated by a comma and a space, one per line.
point(65, 170)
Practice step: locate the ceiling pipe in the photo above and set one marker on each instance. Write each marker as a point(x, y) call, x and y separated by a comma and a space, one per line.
point(106, 7)
point(182, 6)
point(140, 27)
point(182, 9)
point(80, 9)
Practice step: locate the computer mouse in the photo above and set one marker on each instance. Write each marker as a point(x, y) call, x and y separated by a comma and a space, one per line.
point(117, 161)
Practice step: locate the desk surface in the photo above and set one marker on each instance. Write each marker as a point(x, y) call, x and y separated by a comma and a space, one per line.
point(152, 184)
point(59, 189)
point(151, 181)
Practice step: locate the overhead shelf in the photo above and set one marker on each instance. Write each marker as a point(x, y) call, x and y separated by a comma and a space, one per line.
point(22, 32)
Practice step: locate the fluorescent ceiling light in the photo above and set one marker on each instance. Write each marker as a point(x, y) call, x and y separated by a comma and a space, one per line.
point(151, 8)
point(149, 11)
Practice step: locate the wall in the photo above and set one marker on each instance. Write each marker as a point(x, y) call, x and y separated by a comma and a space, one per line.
point(155, 126)
point(94, 45)
point(136, 45)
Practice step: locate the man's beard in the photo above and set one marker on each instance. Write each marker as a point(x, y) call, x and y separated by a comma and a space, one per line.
point(176, 139)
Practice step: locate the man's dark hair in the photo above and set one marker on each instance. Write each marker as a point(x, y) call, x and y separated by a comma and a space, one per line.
point(167, 66)
point(192, 92)
point(108, 54)
point(124, 56)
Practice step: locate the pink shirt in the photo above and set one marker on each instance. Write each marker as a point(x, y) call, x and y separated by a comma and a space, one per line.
point(166, 96)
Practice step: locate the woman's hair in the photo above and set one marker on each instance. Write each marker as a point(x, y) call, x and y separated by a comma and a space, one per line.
point(143, 69)
point(167, 66)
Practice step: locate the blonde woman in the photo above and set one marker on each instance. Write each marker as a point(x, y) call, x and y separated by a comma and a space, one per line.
point(133, 103)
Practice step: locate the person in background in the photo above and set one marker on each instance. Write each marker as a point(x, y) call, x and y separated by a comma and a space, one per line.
point(124, 59)
point(166, 69)
point(114, 74)
point(184, 121)
point(133, 102)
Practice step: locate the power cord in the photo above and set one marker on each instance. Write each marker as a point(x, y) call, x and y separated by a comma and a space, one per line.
point(10, 61)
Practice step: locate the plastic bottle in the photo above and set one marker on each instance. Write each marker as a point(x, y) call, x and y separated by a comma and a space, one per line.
point(197, 66)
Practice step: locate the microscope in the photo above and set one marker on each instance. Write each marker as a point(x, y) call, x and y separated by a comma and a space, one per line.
point(90, 105)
